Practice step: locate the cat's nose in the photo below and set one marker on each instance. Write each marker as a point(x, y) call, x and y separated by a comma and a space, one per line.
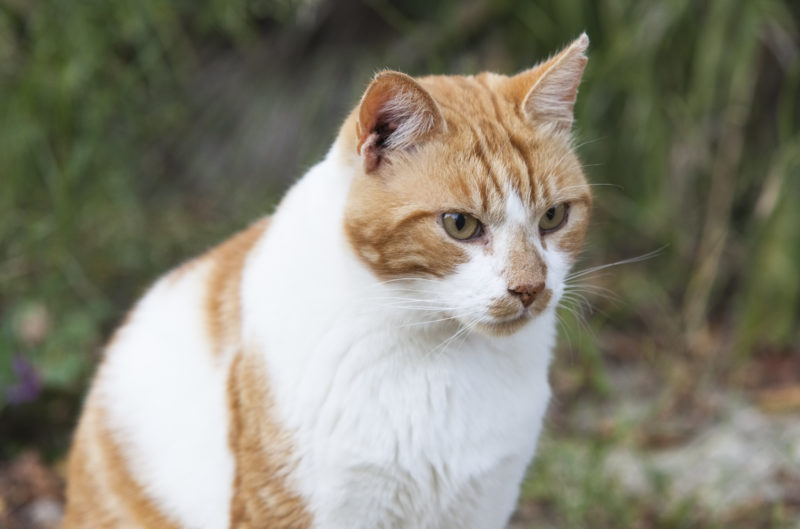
point(527, 293)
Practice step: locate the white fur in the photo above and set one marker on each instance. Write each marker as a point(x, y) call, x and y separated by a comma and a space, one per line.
point(164, 394)
point(398, 419)
point(516, 213)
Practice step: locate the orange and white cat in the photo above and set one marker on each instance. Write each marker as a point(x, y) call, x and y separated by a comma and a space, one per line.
point(373, 355)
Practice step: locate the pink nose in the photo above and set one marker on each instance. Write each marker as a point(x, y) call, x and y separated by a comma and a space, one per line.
point(527, 293)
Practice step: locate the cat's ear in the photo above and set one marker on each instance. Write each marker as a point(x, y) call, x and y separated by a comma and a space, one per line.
point(547, 91)
point(395, 113)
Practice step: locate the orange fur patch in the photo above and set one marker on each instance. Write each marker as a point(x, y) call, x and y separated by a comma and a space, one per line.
point(223, 303)
point(525, 265)
point(102, 491)
point(263, 452)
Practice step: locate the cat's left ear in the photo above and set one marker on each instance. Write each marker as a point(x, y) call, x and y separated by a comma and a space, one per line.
point(548, 90)
point(395, 113)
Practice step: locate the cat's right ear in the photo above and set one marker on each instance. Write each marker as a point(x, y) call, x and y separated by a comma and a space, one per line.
point(395, 113)
point(547, 91)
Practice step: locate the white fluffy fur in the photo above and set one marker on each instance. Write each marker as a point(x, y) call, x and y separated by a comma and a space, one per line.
point(398, 420)
point(164, 394)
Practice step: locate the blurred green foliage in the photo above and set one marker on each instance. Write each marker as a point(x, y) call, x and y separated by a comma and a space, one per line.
point(135, 133)
point(91, 94)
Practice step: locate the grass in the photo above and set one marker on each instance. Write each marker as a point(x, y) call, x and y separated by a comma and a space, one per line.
point(568, 488)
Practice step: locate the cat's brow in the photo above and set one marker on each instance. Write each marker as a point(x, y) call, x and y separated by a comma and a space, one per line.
point(509, 139)
point(480, 150)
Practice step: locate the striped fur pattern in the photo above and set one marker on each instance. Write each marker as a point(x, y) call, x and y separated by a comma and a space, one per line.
point(349, 362)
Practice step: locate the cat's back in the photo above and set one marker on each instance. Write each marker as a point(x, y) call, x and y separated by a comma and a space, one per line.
point(155, 424)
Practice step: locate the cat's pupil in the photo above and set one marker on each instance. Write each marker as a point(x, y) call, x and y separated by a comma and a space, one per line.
point(551, 213)
point(461, 220)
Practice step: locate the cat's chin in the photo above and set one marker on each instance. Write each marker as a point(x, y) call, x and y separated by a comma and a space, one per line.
point(504, 327)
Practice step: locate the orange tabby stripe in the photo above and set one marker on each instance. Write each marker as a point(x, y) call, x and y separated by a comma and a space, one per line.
point(101, 491)
point(223, 303)
point(261, 449)
point(263, 453)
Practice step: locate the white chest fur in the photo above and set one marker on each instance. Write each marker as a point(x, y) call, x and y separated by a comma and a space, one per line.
point(393, 425)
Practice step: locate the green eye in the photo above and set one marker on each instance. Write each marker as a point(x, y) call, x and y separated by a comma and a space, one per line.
point(461, 226)
point(554, 218)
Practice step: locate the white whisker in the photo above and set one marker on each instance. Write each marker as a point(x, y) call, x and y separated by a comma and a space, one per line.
point(593, 184)
point(640, 258)
point(407, 300)
point(408, 279)
point(566, 331)
point(445, 343)
point(414, 307)
point(584, 289)
point(426, 322)
point(578, 318)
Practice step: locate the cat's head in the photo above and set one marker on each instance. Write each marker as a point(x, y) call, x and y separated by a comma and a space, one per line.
point(470, 187)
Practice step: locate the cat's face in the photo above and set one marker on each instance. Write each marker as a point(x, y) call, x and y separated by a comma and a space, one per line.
point(470, 189)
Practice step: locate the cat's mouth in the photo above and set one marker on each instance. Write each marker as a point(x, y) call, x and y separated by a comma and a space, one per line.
point(506, 308)
point(507, 325)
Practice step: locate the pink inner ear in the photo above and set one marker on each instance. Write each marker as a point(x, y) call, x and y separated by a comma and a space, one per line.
point(373, 143)
point(395, 113)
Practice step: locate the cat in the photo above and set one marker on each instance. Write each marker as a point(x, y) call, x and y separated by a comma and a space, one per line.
point(375, 353)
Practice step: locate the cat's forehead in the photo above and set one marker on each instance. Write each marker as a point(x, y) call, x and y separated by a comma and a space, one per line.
point(473, 100)
point(492, 154)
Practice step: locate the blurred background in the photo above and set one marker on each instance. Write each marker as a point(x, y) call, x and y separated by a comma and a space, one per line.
point(137, 133)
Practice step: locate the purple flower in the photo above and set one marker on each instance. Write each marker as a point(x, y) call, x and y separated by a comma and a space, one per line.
point(28, 383)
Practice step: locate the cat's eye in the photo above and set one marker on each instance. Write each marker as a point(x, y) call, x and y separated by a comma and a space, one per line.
point(553, 218)
point(461, 226)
